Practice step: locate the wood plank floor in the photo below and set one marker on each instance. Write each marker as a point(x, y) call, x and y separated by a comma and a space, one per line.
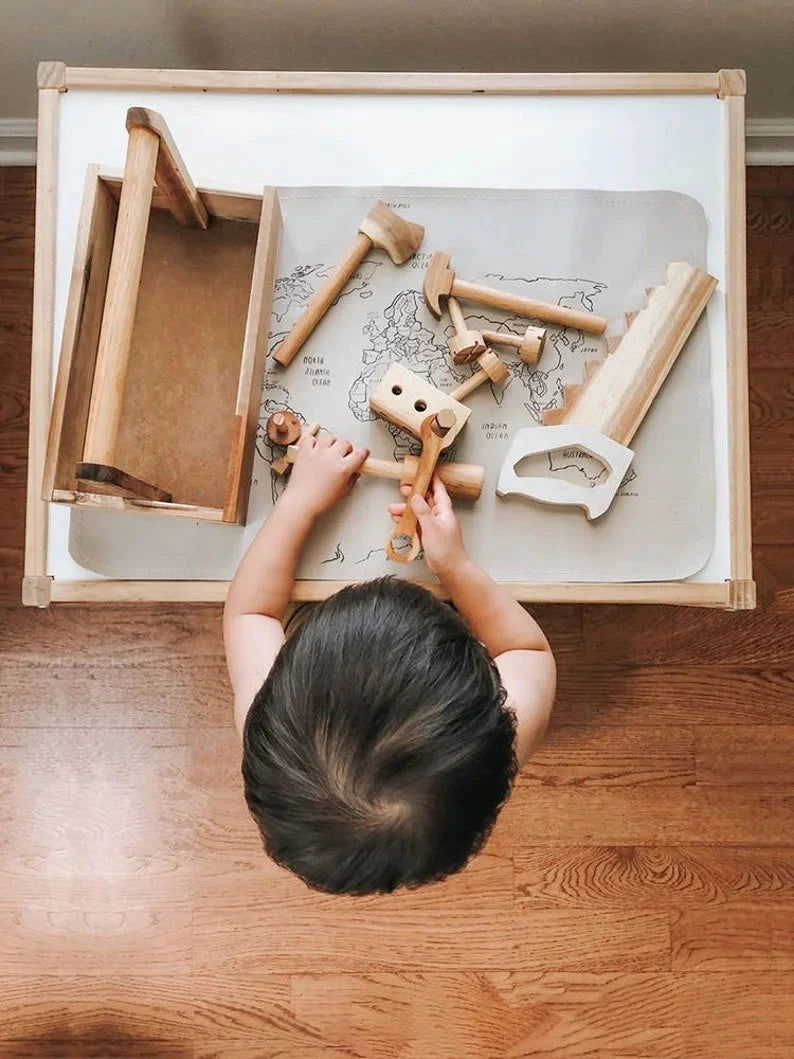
point(636, 899)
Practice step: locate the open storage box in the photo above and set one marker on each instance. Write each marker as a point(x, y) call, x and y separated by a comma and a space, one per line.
point(188, 389)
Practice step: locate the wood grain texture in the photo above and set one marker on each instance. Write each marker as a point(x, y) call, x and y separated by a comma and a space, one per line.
point(635, 901)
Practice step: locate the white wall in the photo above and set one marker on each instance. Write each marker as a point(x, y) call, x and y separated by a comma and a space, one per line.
point(403, 35)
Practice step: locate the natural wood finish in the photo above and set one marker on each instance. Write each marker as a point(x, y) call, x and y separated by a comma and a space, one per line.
point(491, 370)
point(620, 909)
point(381, 229)
point(463, 480)
point(529, 345)
point(36, 512)
point(736, 329)
point(396, 83)
point(252, 364)
point(171, 175)
point(207, 474)
point(434, 431)
point(441, 282)
point(616, 395)
point(406, 399)
point(51, 75)
point(283, 463)
point(732, 83)
point(121, 298)
point(718, 595)
point(80, 335)
point(465, 344)
point(283, 428)
point(119, 482)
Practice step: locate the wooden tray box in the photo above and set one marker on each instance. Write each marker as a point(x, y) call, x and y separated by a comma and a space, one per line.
point(191, 392)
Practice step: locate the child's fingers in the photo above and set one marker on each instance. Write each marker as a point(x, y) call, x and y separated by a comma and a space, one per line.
point(356, 458)
point(396, 510)
point(307, 441)
point(345, 447)
point(440, 495)
point(327, 441)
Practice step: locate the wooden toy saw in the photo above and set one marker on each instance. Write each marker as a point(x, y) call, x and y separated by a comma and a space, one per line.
point(602, 413)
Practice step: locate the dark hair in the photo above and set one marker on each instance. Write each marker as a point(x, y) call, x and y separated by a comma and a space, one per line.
point(379, 749)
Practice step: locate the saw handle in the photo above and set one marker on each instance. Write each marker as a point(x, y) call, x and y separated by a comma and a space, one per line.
point(531, 441)
point(433, 435)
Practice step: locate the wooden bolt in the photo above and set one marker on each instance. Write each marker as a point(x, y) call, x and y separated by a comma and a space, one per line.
point(491, 370)
point(463, 480)
point(441, 282)
point(283, 428)
point(529, 345)
point(465, 344)
point(282, 464)
point(381, 228)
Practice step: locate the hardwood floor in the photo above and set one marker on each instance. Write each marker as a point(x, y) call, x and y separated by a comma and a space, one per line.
point(636, 900)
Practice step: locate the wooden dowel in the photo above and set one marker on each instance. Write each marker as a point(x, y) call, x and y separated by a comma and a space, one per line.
point(171, 175)
point(471, 384)
point(121, 297)
point(456, 315)
point(528, 307)
point(322, 299)
point(503, 338)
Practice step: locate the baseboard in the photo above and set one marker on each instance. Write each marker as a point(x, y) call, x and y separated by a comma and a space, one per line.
point(770, 141)
point(17, 141)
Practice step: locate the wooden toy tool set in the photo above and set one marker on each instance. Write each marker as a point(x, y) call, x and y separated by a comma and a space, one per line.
point(154, 254)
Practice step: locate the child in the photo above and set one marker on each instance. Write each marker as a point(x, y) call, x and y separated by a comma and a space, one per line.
point(382, 738)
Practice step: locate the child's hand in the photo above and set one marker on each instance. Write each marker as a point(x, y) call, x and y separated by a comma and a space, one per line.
point(438, 527)
point(325, 470)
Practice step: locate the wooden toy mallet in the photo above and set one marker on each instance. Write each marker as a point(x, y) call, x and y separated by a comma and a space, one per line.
point(383, 229)
point(441, 282)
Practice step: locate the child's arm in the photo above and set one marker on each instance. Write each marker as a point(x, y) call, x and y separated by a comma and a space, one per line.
point(324, 472)
point(511, 636)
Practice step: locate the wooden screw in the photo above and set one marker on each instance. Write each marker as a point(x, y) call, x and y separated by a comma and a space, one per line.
point(465, 344)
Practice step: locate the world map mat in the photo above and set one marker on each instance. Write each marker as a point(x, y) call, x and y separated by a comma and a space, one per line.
point(594, 250)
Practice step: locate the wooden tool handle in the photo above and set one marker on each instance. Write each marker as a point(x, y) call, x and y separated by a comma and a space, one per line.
point(121, 297)
point(470, 385)
point(503, 338)
point(434, 430)
point(528, 307)
point(463, 480)
point(456, 316)
point(322, 300)
point(171, 175)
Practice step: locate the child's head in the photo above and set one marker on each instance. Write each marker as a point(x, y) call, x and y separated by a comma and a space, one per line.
point(378, 751)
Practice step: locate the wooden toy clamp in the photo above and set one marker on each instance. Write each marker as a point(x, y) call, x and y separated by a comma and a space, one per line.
point(601, 414)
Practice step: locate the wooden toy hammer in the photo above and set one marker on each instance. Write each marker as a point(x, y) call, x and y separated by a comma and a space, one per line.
point(441, 282)
point(381, 228)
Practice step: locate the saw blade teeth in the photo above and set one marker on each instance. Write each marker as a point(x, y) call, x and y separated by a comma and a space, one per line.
point(649, 291)
point(631, 316)
point(613, 341)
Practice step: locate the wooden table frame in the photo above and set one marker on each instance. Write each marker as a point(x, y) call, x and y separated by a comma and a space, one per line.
point(737, 592)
